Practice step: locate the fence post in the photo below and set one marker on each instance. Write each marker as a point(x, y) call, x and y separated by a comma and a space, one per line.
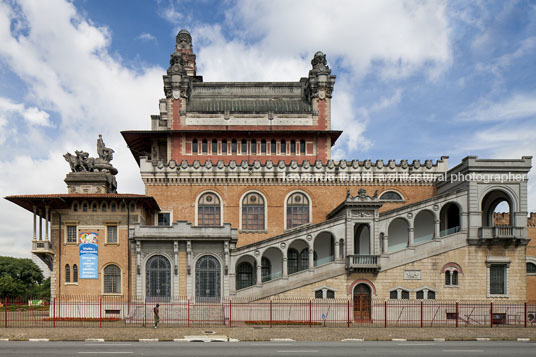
point(188, 312)
point(491, 313)
point(230, 313)
point(5, 313)
point(310, 313)
point(525, 314)
point(54, 313)
point(457, 313)
point(421, 311)
point(385, 311)
point(145, 312)
point(270, 313)
point(348, 314)
point(100, 311)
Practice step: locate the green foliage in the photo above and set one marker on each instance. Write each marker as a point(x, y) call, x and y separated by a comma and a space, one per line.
point(20, 277)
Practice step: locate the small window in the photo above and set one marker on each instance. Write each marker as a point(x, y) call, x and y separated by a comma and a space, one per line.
point(393, 295)
point(273, 147)
point(84, 207)
point(263, 146)
point(164, 219)
point(283, 147)
point(293, 147)
point(425, 294)
point(253, 147)
point(224, 147)
point(71, 234)
point(132, 206)
point(75, 207)
point(123, 207)
point(104, 207)
point(214, 147)
point(404, 295)
point(302, 147)
point(113, 207)
point(431, 295)
point(112, 279)
point(391, 196)
point(94, 207)
point(195, 147)
point(244, 147)
point(454, 280)
point(531, 268)
point(111, 234)
point(67, 273)
point(330, 294)
point(204, 146)
point(234, 146)
point(75, 273)
point(497, 275)
point(319, 294)
point(447, 277)
point(420, 295)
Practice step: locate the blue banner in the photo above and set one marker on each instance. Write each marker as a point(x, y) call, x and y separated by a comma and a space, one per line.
point(89, 256)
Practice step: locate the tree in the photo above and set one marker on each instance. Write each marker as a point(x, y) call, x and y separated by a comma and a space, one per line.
point(20, 277)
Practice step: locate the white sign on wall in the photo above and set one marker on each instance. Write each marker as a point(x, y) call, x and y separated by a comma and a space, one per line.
point(412, 275)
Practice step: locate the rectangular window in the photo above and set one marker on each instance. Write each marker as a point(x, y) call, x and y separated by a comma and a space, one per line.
point(497, 279)
point(393, 295)
point(263, 147)
point(214, 147)
point(330, 294)
point(71, 234)
point(253, 147)
point(283, 147)
point(273, 147)
point(244, 148)
point(234, 146)
point(164, 219)
point(224, 147)
point(405, 295)
point(111, 234)
point(319, 294)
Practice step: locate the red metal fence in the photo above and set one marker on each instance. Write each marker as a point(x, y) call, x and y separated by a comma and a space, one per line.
point(112, 311)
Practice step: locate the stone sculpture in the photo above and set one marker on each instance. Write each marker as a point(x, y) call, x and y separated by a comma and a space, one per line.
point(81, 162)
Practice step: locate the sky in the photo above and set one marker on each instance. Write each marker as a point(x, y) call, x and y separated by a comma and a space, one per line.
point(415, 79)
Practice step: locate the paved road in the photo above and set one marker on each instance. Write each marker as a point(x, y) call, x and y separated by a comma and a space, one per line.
point(259, 349)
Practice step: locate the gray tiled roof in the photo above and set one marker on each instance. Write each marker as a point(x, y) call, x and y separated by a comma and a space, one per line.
point(250, 105)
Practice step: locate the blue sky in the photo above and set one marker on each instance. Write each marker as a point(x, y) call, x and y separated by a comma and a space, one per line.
point(415, 80)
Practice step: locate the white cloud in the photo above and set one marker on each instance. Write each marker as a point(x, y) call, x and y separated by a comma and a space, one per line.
point(517, 106)
point(145, 36)
point(65, 63)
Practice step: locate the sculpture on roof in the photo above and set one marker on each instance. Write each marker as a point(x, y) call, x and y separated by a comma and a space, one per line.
point(81, 162)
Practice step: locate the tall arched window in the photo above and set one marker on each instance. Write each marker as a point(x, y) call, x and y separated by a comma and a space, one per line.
point(224, 146)
point(293, 147)
point(208, 210)
point(207, 277)
point(283, 147)
point(195, 148)
point(75, 273)
point(204, 146)
point(273, 147)
point(244, 275)
point(253, 147)
point(266, 269)
point(67, 273)
point(297, 210)
point(263, 146)
point(112, 279)
point(234, 146)
point(302, 147)
point(214, 146)
point(292, 261)
point(253, 212)
point(304, 259)
point(244, 147)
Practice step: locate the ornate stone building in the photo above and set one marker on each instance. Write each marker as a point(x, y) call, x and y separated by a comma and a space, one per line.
point(243, 200)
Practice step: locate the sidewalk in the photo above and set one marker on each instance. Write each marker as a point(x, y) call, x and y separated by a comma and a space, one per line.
point(265, 334)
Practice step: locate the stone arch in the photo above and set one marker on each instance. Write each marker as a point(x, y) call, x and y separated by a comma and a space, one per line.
point(324, 247)
point(398, 234)
point(198, 197)
point(489, 202)
point(424, 225)
point(362, 238)
point(208, 286)
point(275, 258)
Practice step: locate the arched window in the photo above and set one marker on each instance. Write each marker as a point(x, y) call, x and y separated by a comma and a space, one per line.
point(253, 147)
point(273, 147)
point(451, 271)
point(244, 275)
point(253, 212)
point(214, 146)
point(123, 207)
point(75, 207)
point(391, 196)
point(234, 146)
point(75, 273)
point(425, 294)
point(263, 146)
point(531, 268)
point(195, 147)
point(293, 147)
point(266, 269)
point(244, 147)
point(132, 206)
point(104, 207)
point(113, 207)
point(297, 210)
point(208, 210)
point(398, 294)
point(207, 278)
point(112, 279)
point(67, 273)
point(283, 147)
point(94, 207)
point(84, 207)
point(304, 259)
point(224, 147)
point(204, 146)
point(302, 147)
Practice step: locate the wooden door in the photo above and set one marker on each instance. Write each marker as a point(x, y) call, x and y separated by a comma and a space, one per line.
point(362, 302)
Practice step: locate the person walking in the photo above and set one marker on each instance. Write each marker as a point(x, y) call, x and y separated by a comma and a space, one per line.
point(156, 313)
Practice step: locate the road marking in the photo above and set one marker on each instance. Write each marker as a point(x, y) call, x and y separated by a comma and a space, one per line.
point(416, 344)
point(353, 340)
point(108, 344)
point(38, 340)
point(4, 339)
point(439, 339)
point(104, 352)
point(94, 339)
point(148, 340)
point(523, 339)
point(282, 340)
point(399, 340)
point(482, 338)
point(461, 351)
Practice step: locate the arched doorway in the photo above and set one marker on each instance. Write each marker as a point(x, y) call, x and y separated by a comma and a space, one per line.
point(207, 278)
point(362, 302)
point(158, 278)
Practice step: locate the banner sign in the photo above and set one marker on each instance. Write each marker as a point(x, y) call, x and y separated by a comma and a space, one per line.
point(89, 255)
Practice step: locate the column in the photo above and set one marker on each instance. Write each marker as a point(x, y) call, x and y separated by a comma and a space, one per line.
point(311, 259)
point(40, 226)
point(411, 237)
point(34, 223)
point(46, 222)
point(285, 265)
point(385, 244)
point(259, 274)
point(371, 241)
point(337, 257)
point(437, 233)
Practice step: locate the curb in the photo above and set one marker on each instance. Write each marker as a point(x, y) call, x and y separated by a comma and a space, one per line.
point(204, 338)
point(4, 339)
point(148, 340)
